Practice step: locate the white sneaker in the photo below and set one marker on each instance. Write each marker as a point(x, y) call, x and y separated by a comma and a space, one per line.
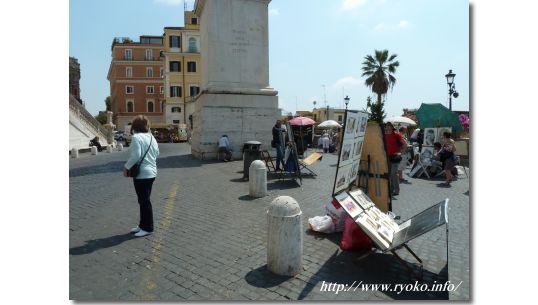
point(135, 229)
point(142, 233)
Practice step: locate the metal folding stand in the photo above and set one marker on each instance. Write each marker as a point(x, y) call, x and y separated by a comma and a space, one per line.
point(419, 276)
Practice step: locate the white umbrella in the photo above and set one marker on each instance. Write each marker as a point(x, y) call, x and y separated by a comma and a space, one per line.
point(400, 120)
point(329, 124)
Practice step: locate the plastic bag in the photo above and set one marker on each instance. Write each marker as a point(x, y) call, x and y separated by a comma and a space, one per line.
point(337, 214)
point(323, 224)
point(353, 238)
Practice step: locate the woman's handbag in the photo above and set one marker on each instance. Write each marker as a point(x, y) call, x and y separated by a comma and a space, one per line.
point(396, 158)
point(134, 171)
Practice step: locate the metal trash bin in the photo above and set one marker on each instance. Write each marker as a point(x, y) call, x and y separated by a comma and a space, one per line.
point(251, 152)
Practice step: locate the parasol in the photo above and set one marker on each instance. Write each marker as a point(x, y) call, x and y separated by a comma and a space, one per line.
point(437, 115)
point(400, 120)
point(302, 121)
point(329, 124)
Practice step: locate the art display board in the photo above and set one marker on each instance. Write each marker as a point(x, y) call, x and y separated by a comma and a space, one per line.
point(375, 156)
point(350, 150)
point(384, 231)
point(290, 154)
point(431, 135)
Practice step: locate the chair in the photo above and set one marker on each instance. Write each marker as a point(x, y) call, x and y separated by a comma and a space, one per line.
point(268, 161)
point(304, 163)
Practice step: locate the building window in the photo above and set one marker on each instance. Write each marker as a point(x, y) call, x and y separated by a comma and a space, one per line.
point(194, 20)
point(162, 105)
point(149, 90)
point(150, 107)
point(192, 45)
point(130, 106)
point(175, 66)
point(129, 71)
point(194, 90)
point(149, 54)
point(162, 89)
point(339, 118)
point(175, 121)
point(129, 89)
point(128, 54)
point(149, 72)
point(161, 72)
point(191, 66)
point(176, 109)
point(175, 91)
point(175, 41)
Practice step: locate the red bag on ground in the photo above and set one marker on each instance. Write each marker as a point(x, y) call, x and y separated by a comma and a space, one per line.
point(353, 238)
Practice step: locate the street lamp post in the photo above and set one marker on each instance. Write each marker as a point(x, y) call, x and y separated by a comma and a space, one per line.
point(451, 88)
point(346, 100)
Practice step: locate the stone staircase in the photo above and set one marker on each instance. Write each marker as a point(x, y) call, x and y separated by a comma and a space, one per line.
point(83, 127)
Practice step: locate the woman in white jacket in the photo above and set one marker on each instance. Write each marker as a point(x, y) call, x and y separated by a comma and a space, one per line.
point(143, 145)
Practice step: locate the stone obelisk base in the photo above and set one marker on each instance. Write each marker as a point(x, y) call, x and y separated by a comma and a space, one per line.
point(243, 117)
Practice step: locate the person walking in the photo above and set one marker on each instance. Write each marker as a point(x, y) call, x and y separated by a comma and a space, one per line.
point(144, 149)
point(394, 143)
point(278, 145)
point(225, 149)
point(325, 142)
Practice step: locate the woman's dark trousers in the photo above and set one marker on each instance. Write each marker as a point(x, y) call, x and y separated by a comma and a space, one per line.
point(143, 191)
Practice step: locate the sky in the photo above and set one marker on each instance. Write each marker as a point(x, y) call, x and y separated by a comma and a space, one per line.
point(316, 47)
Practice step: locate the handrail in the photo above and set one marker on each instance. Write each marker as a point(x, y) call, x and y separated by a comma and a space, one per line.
point(86, 116)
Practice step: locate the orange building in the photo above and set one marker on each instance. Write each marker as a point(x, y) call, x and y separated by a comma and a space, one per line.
point(136, 79)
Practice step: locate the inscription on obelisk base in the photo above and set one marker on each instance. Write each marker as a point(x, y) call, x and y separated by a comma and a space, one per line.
point(235, 98)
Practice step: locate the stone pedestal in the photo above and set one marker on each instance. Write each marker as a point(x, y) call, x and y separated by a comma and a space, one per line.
point(235, 98)
point(120, 147)
point(94, 150)
point(284, 237)
point(74, 153)
point(257, 183)
point(109, 149)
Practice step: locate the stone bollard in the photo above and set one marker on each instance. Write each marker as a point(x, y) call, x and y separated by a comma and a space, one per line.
point(94, 150)
point(257, 173)
point(74, 153)
point(284, 236)
point(120, 147)
point(109, 149)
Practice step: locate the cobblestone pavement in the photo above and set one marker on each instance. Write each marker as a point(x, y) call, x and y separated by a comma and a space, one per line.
point(210, 236)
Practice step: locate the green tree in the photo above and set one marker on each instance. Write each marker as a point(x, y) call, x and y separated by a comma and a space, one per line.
point(101, 117)
point(376, 110)
point(108, 102)
point(379, 71)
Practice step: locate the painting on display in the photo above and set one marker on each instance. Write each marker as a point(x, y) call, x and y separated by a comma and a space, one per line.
point(426, 155)
point(440, 132)
point(348, 204)
point(350, 149)
point(430, 135)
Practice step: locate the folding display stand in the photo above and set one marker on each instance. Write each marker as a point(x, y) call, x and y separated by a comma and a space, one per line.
point(364, 212)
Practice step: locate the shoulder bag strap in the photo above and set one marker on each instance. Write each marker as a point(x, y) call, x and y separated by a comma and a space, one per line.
point(142, 159)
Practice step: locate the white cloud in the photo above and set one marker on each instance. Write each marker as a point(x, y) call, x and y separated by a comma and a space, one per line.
point(169, 2)
point(348, 5)
point(274, 12)
point(403, 24)
point(347, 82)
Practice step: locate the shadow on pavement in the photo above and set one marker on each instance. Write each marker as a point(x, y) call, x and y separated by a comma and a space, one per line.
point(111, 167)
point(263, 278)
point(100, 243)
point(247, 198)
point(282, 185)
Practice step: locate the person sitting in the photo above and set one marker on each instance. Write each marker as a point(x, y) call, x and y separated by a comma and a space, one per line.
point(225, 150)
point(95, 142)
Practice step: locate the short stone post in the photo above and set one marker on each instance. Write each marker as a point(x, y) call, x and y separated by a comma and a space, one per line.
point(120, 147)
point(109, 149)
point(94, 150)
point(257, 173)
point(284, 236)
point(74, 153)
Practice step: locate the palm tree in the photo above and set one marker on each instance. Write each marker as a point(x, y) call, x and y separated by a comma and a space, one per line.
point(379, 71)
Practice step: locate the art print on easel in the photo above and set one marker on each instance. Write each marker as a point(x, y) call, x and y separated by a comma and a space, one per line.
point(440, 132)
point(350, 149)
point(429, 136)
